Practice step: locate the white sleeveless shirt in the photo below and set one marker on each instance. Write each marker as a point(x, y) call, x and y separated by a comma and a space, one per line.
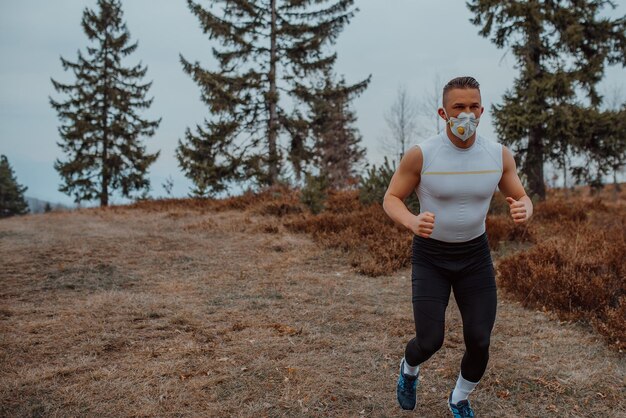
point(457, 185)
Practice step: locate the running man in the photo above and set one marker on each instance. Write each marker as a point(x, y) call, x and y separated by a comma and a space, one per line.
point(455, 174)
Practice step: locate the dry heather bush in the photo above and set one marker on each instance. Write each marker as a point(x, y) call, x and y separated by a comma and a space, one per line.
point(501, 228)
point(608, 193)
point(343, 201)
point(260, 201)
point(279, 208)
point(251, 200)
point(375, 244)
point(167, 205)
point(567, 209)
point(498, 205)
point(612, 323)
point(550, 215)
point(577, 270)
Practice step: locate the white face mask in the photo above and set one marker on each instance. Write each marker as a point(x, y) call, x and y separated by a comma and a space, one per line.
point(463, 126)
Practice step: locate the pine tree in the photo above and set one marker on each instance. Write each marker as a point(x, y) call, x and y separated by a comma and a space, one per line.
point(267, 47)
point(210, 158)
point(301, 151)
point(561, 49)
point(335, 148)
point(12, 200)
point(603, 144)
point(615, 159)
point(101, 129)
point(375, 181)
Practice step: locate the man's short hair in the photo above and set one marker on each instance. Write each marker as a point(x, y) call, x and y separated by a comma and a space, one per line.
point(459, 83)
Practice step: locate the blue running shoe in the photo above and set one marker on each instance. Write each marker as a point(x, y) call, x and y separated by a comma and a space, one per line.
point(406, 389)
point(461, 409)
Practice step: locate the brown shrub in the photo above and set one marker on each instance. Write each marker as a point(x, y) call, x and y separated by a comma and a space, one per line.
point(343, 201)
point(274, 195)
point(249, 200)
point(167, 205)
point(608, 193)
point(612, 323)
point(498, 205)
point(577, 272)
point(279, 208)
point(376, 245)
point(501, 228)
point(567, 209)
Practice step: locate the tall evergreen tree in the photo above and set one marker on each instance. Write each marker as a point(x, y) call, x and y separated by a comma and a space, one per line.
point(335, 148)
point(101, 131)
point(267, 47)
point(301, 151)
point(561, 48)
point(210, 158)
point(602, 144)
point(11, 192)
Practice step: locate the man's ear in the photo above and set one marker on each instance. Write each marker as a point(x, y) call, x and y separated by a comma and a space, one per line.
point(482, 109)
point(442, 113)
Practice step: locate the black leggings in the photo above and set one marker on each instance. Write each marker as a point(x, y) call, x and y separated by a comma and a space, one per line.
point(467, 268)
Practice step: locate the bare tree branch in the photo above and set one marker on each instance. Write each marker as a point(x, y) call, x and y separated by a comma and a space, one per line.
point(402, 121)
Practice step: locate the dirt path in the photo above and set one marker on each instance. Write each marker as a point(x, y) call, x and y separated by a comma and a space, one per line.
point(130, 313)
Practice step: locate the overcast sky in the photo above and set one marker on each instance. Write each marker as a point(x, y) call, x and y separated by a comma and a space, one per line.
point(398, 42)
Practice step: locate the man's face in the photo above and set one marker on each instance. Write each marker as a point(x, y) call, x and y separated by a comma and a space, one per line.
point(462, 100)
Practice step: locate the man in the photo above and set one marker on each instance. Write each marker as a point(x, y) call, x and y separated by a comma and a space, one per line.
point(455, 174)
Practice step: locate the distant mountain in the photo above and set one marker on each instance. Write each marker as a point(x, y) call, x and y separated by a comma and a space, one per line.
point(39, 206)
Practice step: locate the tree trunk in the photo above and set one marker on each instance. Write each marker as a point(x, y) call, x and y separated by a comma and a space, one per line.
point(565, 190)
point(104, 192)
point(533, 164)
point(273, 99)
point(616, 188)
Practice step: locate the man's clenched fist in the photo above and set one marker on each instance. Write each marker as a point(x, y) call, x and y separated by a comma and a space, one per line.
point(424, 224)
point(518, 210)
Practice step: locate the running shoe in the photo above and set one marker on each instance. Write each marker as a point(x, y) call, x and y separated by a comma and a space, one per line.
point(406, 389)
point(461, 409)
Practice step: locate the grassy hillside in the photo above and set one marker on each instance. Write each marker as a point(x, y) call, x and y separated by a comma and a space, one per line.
point(219, 308)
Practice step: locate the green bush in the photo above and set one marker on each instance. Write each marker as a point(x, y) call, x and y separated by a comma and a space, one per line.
point(315, 192)
point(12, 201)
point(373, 186)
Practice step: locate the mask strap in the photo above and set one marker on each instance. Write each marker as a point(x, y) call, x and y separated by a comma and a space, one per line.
point(448, 121)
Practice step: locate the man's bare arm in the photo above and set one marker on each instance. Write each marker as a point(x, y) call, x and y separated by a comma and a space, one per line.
point(404, 181)
point(520, 205)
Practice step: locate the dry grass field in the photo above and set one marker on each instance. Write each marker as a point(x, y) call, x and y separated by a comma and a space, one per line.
point(191, 312)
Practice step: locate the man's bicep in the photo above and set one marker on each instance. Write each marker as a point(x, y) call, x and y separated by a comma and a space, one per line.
point(407, 176)
point(510, 183)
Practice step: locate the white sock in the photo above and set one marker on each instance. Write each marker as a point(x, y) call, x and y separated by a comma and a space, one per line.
point(410, 369)
point(462, 389)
